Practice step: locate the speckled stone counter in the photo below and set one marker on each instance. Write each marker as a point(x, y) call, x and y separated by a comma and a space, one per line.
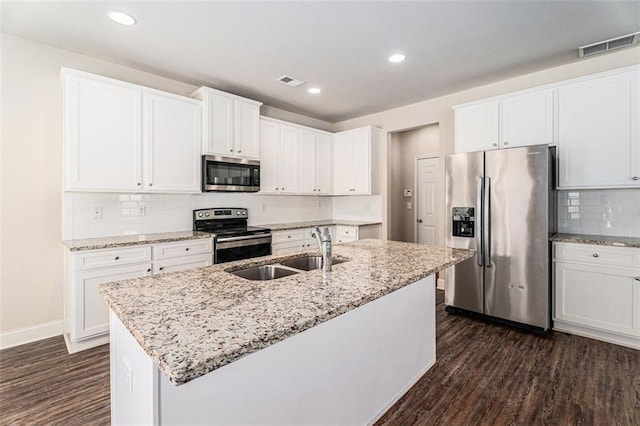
point(193, 322)
point(133, 240)
point(309, 224)
point(601, 240)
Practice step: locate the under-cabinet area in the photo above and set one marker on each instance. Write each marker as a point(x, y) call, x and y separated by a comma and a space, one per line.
point(596, 292)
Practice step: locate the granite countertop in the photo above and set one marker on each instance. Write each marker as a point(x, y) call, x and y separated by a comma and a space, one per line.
point(309, 224)
point(133, 240)
point(193, 322)
point(601, 240)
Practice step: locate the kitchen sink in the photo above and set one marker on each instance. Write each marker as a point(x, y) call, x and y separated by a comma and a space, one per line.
point(309, 263)
point(264, 273)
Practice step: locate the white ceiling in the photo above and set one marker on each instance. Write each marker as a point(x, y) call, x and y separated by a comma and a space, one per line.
point(242, 47)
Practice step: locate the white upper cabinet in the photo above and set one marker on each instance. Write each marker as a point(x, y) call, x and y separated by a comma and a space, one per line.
point(231, 124)
point(599, 132)
point(171, 143)
point(357, 161)
point(477, 127)
point(102, 134)
point(113, 131)
point(278, 158)
point(521, 120)
point(314, 162)
point(527, 119)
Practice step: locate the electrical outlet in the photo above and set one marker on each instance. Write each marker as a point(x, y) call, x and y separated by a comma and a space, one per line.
point(263, 208)
point(96, 212)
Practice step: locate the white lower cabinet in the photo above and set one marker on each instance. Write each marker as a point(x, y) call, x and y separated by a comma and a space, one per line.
point(346, 234)
point(86, 312)
point(594, 296)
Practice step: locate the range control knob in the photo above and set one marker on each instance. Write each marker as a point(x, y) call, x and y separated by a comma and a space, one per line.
point(207, 214)
point(244, 212)
point(238, 213)
point(200, 214)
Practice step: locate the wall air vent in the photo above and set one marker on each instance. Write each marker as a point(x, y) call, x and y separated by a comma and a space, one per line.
point(607, 45)
point(290, 81)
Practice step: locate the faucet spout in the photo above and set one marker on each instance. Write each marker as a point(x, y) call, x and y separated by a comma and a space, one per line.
point(324, 245)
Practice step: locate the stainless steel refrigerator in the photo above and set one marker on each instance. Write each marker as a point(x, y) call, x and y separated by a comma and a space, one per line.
point(502, 204)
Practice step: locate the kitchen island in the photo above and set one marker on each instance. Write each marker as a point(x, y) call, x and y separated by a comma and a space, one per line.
point(206, 346)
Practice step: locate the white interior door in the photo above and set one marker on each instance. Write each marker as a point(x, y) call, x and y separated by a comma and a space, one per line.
point(427, 170)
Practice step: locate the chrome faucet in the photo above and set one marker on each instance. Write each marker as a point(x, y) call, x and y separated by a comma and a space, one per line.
point(324, 245)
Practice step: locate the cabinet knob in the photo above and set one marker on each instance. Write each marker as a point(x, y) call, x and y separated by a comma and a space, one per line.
point(117, 258)
point(635, 178)
point(231, 150)
point(506, 143)
point(288, 236)
point(161, 268)
point(314, 190)
point(637, 278)
point(149, 270)
point(283, 188)
point(139, 183)
point(150, 184)
point(276, 189)
point(495, 144)
point(595, 255)
point(319, 190)
point(239, 151)
point(187, 249)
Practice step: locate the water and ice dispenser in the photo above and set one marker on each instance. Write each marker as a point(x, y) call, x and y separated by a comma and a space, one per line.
point(463, 221)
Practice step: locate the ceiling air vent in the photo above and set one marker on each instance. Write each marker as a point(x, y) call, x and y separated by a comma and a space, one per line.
point(607, 45)
point(290, 81)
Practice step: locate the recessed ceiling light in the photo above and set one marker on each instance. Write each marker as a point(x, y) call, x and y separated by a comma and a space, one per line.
point(398, 57)
point(314, 90)
point(122, 18)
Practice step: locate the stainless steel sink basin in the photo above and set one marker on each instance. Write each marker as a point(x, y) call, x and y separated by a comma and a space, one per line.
point(309, 263)
point(264, 273)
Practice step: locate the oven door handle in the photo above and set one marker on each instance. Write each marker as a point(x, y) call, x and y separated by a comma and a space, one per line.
point(244, 237)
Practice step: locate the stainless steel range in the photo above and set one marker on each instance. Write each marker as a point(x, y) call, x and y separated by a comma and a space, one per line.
point(233, 239)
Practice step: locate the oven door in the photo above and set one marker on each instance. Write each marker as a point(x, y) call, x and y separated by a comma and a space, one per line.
point(230, 174)
point(229, 249)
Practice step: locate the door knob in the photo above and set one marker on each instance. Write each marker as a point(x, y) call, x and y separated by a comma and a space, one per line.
point(419, 220)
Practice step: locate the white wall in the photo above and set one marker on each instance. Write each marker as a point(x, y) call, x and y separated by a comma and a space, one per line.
point(31, 179)
point(438, 110)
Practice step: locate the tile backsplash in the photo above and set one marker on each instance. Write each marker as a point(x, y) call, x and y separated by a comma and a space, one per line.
point(602, 212)
point(125, 214)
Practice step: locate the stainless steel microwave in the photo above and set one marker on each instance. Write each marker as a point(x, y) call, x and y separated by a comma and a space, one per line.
point(230, 174)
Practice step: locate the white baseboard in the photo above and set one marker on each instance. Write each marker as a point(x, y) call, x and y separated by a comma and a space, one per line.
point(21, 336)
point(77, 346)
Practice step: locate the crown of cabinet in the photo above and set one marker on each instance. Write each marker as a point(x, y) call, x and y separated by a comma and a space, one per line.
point(231, 125)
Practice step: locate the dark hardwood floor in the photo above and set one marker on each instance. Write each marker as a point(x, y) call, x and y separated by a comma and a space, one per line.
point(485, 374)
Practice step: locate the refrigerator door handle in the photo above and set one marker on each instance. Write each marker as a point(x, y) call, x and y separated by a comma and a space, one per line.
point(479, 227)
point(486, 222)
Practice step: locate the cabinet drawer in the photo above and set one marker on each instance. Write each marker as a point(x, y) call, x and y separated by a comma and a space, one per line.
point(347, 232)
point(106, 258)
point(288, 236)
point(175, 264)
point(597, 255)
point(182, 248)
point(289, 247)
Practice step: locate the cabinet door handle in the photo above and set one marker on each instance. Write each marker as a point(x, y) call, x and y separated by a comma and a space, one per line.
point(117, 258)
point(595, 255)
point(635, 178)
